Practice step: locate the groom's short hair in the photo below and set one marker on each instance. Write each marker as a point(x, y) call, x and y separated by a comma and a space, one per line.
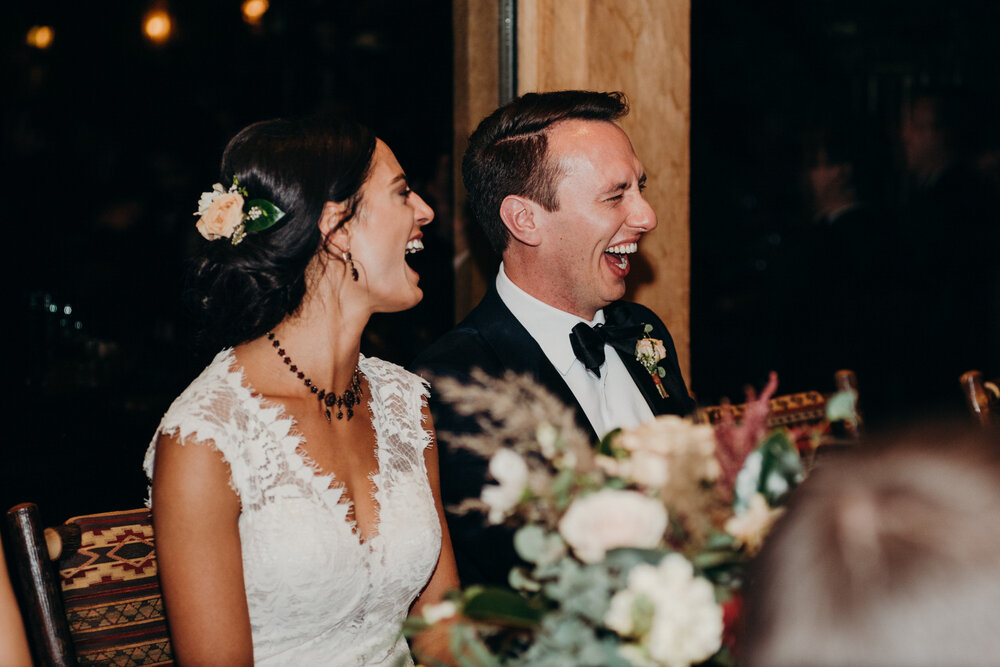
point(507, 152)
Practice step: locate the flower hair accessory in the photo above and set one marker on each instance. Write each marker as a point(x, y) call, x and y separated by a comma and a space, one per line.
point(648, 352)
point(226, 213)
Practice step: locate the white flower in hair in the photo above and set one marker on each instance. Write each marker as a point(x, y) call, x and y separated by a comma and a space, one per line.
point(208, 198)
point(221, 214)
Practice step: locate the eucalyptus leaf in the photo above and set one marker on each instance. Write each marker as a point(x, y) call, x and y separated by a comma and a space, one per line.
point(470, 651)
point(520, 581)
point(781, 467)
point(841, 406)
point(270, 215)
point(604, 446)
point(773, 469)
point(561, 487)
point(529, 542)
point(496, 605)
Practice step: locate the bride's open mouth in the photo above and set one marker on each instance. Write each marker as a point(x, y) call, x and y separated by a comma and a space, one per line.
point(618, 254)
point(414, 246)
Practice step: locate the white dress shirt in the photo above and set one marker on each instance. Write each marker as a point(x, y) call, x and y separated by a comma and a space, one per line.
point(610, 401)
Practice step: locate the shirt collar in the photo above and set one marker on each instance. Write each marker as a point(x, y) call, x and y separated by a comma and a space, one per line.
point(549, 326)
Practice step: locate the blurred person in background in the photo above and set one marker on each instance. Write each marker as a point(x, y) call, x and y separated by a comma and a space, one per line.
point(887, 556)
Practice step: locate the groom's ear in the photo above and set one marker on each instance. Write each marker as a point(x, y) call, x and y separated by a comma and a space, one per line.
point(518, 215)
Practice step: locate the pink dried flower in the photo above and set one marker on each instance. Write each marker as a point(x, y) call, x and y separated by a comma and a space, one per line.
point(734, 442)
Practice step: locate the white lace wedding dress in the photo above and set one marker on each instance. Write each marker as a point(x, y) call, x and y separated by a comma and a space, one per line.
point(317, 594)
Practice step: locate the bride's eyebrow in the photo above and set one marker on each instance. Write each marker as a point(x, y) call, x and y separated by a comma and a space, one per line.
point(399, 177)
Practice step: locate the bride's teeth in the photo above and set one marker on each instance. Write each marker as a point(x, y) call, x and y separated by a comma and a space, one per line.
point(416, 245)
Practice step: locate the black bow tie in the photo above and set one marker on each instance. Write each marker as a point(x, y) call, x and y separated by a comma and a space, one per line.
point(588, 342)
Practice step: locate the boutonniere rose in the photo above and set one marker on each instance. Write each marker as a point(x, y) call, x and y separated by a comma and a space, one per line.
point(649, 352)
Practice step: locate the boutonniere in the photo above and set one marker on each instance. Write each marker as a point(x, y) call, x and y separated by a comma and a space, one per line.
point(648, 352)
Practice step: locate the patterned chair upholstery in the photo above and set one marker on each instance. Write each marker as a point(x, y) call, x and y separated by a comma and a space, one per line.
point(100, 603)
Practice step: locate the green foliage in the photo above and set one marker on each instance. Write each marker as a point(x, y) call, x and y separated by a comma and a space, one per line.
point(270, 215)
point(503, 607)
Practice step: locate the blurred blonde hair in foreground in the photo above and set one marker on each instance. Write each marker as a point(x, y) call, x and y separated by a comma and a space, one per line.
point(889, 555)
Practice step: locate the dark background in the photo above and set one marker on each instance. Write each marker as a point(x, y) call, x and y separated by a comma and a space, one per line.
point(107, 141)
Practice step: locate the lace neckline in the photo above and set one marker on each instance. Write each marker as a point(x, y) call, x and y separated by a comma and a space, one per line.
point(284, 427)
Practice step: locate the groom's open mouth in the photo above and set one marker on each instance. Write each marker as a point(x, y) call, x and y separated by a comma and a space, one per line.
point(618, 254)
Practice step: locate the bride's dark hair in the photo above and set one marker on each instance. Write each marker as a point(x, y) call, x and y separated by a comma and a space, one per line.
point(243, 291)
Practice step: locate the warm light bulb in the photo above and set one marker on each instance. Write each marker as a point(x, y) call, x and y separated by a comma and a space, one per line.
point(157, 25)
point(40, 36)
point(253, 10)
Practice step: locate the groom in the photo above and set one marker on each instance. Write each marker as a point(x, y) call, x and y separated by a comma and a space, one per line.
point(557, 188)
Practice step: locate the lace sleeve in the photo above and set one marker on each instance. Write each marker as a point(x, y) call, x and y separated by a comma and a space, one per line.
point(209, 412)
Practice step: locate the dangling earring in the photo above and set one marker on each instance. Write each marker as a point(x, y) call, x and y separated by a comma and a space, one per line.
point(350, 262)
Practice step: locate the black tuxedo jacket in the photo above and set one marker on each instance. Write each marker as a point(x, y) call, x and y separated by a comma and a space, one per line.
point(492, 339)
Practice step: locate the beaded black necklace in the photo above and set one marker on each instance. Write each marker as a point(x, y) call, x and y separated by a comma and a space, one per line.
point(346, 401)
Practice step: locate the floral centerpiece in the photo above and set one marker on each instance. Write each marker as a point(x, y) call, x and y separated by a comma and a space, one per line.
point(635, 549)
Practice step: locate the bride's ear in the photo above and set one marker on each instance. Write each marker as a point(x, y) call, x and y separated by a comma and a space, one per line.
point(333, 227)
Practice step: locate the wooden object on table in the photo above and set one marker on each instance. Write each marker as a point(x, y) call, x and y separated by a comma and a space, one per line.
point(807, 407)
point(90, 588)
point(799, 409)
point(846, 380)
point(982, 397)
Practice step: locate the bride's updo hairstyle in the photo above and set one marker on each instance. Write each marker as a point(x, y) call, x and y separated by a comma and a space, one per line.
point(242, 291)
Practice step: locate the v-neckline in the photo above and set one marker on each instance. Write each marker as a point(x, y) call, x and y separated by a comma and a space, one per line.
point(330, 490)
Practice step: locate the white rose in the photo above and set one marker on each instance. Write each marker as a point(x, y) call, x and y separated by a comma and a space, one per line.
point(547, 435)
point(440, 611)
point(670, 442)
point(681, 622)
point(510, 470)
point(610, 519)
point(620, 616)
point(207, 198)
point(649, 469)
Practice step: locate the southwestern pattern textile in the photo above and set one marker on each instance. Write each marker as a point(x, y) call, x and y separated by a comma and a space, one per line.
point(112, 593)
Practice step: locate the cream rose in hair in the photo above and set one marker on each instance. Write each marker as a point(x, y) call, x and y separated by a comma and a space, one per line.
point(222, 216)
point(609, 519)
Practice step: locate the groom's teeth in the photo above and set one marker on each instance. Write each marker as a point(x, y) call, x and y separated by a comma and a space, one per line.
point(622, 261)
point(623, 248)
point(416, 245)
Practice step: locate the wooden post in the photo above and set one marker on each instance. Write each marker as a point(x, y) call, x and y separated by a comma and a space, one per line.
point(477, 94)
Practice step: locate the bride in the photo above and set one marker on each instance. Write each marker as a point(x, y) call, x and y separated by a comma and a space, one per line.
point(294, 482)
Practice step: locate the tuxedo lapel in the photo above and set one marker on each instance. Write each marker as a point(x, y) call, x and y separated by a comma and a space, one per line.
point(516, 350)
point(677, 401)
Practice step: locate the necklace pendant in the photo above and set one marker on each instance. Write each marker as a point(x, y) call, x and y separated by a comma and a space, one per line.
point(327, 411)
